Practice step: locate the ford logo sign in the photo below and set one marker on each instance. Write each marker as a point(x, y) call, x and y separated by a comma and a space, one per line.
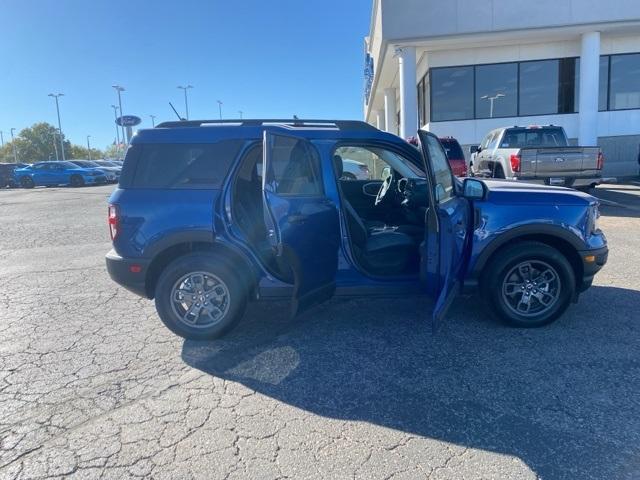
point(128, 121)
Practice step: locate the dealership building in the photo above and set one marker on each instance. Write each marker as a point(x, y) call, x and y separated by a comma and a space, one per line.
point(461, 68)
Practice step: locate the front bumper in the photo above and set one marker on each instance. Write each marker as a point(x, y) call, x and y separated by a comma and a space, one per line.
point(592, 263)
point(128, 272)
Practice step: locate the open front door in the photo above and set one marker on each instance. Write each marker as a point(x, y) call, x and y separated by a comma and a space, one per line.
point(447, 230)
point(302, 223)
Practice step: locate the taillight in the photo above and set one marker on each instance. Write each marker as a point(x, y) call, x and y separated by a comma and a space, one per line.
point(600, 163)
point(515, 163)
point(113, 221)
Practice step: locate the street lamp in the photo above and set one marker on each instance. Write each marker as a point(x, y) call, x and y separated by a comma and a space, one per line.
point(1, 139)
point(120, 89)
point(220, 108)
point(115, 115)
point(89, 146)
point(240, 112)
point(491, 100)
point(153, 120)
point(15, 152)
point(186, 104)
point(56, 96)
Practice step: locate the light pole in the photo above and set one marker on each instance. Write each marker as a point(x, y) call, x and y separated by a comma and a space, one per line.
point(15, 151)
point(89, 146)
point(220, 108)
point(1, 139)
point(56, 96)
point(115, 117)
point(240, 112)
point(491, 100)
point(55, 147)
point(186, 103)
point(153, 120)
point(120, 89)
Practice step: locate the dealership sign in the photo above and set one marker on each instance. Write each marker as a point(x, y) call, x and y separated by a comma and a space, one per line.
point(368, 76)
point(128, 121)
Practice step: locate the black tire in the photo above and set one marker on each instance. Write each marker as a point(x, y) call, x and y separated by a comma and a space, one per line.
point(27, 182)
point(76, 181)
point(495, 284)
point(216, 266)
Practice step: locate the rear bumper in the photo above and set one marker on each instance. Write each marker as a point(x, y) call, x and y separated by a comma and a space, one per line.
point(592, 263)
point(128, 272)
point(571, 182)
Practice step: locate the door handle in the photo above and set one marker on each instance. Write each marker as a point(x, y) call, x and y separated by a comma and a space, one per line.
point(296, 218)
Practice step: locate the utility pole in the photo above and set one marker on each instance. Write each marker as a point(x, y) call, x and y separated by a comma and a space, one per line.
point(153, 120)
point(220, 108)
point(120, 89)
point(186, 103)
point(115, 117)
point(240, 112)
point(15, 151)
point(89, 146)
point(56, 96)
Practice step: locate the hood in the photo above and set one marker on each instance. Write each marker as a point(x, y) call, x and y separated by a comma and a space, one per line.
point(511, 191)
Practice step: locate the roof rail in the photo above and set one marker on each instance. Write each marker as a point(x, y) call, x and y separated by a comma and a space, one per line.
point(288, 123)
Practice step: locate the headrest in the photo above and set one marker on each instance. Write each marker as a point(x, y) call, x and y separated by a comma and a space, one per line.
point(338, 166)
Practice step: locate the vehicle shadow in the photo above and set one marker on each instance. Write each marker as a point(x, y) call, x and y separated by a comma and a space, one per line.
point(564, 398)
point(619, 201)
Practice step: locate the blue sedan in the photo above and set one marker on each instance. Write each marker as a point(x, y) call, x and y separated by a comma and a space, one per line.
point(57, 173)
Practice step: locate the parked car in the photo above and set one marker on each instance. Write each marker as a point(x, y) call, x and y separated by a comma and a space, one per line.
point(109, 172)
point(206, 219)
point(539, 154)
point(107, 166)
point(455, 156)
point(57, 173)
point(6, 174)
point(354, 170)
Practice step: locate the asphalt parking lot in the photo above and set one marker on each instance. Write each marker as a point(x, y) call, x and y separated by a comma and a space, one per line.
point(93, 386)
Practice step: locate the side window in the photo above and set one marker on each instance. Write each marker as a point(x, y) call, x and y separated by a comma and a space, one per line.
point(186, 165)
point(294, 167)
point(360, 163)
point(441, 169)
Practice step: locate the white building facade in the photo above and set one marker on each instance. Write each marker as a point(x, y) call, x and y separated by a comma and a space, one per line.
point(461, 68)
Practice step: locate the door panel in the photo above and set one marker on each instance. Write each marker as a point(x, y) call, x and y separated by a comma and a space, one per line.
point(302, 223)
point(447, 232)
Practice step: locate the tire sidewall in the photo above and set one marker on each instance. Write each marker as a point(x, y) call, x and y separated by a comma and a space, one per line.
point(519, 253)
point(27, 182)
point(76, 181)
point(214, 264)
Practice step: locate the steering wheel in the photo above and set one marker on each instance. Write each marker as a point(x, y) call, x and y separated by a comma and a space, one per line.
point(384, 189)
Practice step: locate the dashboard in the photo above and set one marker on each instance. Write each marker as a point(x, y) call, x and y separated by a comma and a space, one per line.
point(413, 192)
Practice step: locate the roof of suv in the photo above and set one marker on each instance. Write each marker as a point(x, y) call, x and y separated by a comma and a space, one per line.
point(202, 131)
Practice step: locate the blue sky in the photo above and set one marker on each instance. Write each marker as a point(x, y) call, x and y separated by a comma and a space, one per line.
point(270, 58)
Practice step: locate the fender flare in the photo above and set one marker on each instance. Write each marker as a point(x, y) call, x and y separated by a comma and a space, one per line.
point(523, 231)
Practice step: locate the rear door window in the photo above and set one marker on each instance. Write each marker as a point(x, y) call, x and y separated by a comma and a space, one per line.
point(181, 165)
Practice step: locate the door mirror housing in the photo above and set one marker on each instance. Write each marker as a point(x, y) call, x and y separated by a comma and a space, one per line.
point(474, 189)
point(474, 149)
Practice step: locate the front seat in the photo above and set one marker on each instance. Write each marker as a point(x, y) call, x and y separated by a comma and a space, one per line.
point(382, 252)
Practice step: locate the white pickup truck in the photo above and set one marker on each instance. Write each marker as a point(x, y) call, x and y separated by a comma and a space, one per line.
point(538, 154)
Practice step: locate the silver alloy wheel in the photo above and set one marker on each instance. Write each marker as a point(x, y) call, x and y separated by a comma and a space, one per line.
point(531, 288)
point(200, 299)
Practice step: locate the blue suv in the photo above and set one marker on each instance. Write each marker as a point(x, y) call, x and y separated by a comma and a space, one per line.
point(209, 215)
point(57, 173)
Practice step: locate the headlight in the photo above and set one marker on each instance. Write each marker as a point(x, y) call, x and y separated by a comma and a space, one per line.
point(594, 215)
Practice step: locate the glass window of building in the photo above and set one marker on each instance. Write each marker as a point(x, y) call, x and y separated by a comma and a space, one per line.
point(539, 87)
point(568, 82)
point(497, 90)
point(451, 93)
point(421, 103)
point(624, 82)
point(604, 84)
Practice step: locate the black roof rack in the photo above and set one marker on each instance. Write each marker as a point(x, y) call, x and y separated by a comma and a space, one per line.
point(288, 122)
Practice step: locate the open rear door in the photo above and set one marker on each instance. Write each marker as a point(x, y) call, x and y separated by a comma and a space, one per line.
point(447, 230)
point(302, 223)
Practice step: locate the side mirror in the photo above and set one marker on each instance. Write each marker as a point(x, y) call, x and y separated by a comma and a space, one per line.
point(474, 149)
point(474, 189)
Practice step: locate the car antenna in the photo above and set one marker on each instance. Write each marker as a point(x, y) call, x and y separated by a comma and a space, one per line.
point(176, 112)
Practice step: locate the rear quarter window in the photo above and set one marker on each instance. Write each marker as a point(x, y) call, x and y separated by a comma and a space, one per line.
point(179, 165)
